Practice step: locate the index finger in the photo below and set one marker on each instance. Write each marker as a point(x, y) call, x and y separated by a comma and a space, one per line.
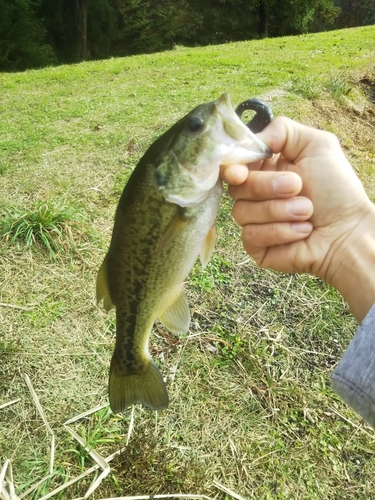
point(267, 185)
point(234, 174)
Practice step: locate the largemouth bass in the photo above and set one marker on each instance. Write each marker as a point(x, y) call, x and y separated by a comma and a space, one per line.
point(164, 221)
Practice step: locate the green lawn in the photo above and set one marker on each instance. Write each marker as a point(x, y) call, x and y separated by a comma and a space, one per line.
point(251, 406)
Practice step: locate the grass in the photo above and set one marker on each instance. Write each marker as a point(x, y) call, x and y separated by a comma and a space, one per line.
point(312, 87)
point(48, 225)
point(251, 406)
point(339, 86)
point(309, 87)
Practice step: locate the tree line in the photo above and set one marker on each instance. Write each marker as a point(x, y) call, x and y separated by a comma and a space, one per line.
point(35, 33)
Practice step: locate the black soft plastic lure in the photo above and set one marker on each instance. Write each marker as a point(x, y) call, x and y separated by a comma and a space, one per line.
point(263, 114)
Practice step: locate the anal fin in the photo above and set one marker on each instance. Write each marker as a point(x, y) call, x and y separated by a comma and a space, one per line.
point(176, 315)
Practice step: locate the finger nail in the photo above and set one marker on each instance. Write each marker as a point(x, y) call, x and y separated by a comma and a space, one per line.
point(285, 184)
point(302, 227)
point(299, 206)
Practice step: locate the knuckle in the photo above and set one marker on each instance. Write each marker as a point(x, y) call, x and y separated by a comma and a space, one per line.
point(239, 212)
point(271, 209)
point(334, 140)
point(256, 183)
point(261, 262)
point(329, 138)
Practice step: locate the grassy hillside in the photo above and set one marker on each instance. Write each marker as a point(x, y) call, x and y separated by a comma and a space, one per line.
point(251, 406)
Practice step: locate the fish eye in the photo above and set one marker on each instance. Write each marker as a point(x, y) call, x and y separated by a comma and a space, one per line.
point(195, 124)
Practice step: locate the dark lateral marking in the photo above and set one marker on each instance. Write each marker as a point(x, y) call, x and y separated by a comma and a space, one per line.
point(263, 114)
point(125, 340)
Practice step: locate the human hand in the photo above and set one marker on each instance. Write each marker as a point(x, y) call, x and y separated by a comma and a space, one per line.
point(305, 210)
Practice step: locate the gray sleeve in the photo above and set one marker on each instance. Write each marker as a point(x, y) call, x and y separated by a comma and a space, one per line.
point(354, 378)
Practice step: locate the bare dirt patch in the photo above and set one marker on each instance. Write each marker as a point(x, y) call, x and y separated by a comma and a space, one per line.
point(368, 85)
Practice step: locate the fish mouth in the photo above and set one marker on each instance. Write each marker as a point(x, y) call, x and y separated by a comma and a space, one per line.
point(237, 130)
point(233, 126)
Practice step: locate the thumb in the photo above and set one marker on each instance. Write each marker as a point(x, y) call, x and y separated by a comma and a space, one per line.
point(288, 137)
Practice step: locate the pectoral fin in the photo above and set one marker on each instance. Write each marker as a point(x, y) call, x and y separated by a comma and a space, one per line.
point(102, 289)
point(208, 247)
point(173, 231)
point(176, 316)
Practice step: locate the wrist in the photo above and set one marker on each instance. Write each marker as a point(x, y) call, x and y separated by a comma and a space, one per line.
point(352, 269)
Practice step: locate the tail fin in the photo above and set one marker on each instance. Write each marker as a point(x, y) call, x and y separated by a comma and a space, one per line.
point(147, 388)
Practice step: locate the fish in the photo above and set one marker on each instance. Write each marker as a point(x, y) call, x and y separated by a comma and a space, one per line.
point(164, 221)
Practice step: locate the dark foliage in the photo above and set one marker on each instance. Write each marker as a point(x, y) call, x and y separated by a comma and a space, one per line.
point(355, 13)
point(36, 33)
point(23, 36)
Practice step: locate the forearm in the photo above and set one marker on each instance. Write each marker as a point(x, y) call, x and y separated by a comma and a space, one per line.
point(354, 275)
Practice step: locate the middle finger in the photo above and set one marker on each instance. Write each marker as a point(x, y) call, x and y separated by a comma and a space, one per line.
point(264, 212)
point(267, 185)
